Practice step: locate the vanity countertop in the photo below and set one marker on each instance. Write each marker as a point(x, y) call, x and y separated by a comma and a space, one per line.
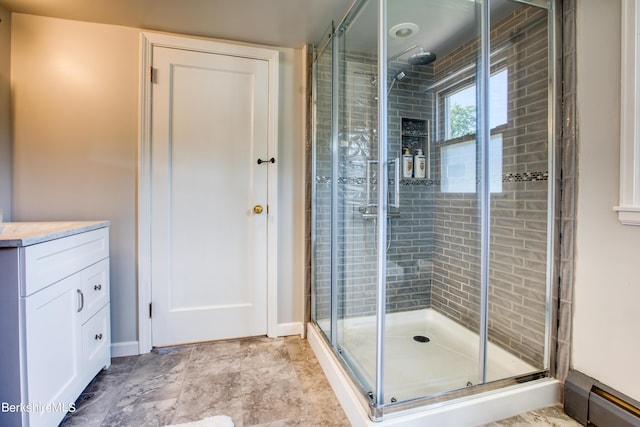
point(16, 234)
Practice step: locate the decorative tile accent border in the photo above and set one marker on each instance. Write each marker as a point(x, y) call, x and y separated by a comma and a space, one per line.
point(526, 177)
point(506, 178)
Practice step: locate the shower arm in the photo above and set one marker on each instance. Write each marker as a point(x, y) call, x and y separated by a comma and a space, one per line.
point(409, 49)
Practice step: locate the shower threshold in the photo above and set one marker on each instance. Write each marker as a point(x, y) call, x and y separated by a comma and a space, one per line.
point(412, 369)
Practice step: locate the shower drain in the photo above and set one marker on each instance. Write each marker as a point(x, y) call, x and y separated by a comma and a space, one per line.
point(421, 338)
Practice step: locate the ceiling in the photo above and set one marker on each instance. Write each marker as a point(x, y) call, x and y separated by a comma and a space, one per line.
point(442, 25)
point(286, 23)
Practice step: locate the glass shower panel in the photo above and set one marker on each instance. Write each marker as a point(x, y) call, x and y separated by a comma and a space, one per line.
point(357, 191)
point(321, 204)
point(519, 99)
point(433, 327)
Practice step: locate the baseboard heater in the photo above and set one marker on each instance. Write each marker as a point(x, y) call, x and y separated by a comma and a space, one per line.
point(592, 403)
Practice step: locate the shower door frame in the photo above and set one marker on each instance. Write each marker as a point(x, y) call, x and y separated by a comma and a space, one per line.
point(378, 408)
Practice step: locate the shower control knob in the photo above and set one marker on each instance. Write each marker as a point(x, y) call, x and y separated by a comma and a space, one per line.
point(257, 209)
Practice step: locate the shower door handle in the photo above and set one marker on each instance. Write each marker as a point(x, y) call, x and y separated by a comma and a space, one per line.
point(396, 184)
point(368, 172)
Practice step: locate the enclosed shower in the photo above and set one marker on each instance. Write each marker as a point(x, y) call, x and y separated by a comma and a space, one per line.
point(432, 198)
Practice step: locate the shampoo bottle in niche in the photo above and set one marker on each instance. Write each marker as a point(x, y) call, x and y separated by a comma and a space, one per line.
point(420, 165)
point(407, 164)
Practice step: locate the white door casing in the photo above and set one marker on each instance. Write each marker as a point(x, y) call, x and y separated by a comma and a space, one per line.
point(176, 216)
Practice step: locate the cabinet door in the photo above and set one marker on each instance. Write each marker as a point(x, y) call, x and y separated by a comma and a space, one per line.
point(53, 351)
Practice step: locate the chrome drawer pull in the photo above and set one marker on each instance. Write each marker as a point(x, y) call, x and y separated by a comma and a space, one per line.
point(81, 300)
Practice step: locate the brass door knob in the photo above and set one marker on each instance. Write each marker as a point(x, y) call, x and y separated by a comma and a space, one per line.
point(257, 209)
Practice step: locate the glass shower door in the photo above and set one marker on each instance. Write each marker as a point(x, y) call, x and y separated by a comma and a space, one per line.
point(321, 259)
point(357, 187)
point(433, 326)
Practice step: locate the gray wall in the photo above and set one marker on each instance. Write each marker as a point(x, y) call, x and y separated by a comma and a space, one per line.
point(5, 113)
point(75, 142)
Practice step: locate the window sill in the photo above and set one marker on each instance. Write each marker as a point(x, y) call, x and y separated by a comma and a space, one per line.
point(628, 215)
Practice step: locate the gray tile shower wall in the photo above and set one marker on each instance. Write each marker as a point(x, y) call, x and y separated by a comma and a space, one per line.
point(517, 272)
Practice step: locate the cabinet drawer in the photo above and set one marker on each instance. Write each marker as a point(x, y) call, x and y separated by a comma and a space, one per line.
point(49, 262)
point(95, 288)
point(96, 343)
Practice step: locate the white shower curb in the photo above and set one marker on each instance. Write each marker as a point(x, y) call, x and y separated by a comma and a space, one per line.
point(466, 411)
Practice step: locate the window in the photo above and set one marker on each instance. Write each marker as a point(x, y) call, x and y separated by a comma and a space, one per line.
point(629, 207)
point(458, 162)
point(458, 154)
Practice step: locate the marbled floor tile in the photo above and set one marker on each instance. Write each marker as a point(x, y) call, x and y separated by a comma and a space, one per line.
point(162, 386)
point(170, 360)
point(208, 395)
point(156, 376)
point(213, 350)
point(293, 422)
point(272, 401)
point(96, 400)
point(261, 378)
point(552, 416)
point(310, 376)
point(149, 414)
point(299, 350)
point(325, 409)
point(322, 404)
point(219, 365)
point(122, 365)
point(232, 409)
point(263, 352)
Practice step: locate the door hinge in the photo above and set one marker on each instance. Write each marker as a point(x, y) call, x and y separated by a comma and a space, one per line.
point(150, 310)
point(151, 75)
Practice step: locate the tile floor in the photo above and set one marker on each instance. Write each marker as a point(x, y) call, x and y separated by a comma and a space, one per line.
point(257, 382)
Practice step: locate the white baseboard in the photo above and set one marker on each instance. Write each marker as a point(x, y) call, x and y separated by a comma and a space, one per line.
point(127, 348)
point(293, 328)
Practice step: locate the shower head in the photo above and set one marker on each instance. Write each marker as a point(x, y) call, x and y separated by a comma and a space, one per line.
point(422, 58)
point(400, 76)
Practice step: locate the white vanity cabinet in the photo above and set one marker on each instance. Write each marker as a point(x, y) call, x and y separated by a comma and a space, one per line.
point(55, 326)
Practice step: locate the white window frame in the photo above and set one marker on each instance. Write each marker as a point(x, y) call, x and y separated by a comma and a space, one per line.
point(629, 205)
point(442, 102)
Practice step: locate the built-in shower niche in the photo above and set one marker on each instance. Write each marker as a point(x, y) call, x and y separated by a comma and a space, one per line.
point(415, 135)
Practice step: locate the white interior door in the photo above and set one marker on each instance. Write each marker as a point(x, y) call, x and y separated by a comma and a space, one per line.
point(209, 126)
